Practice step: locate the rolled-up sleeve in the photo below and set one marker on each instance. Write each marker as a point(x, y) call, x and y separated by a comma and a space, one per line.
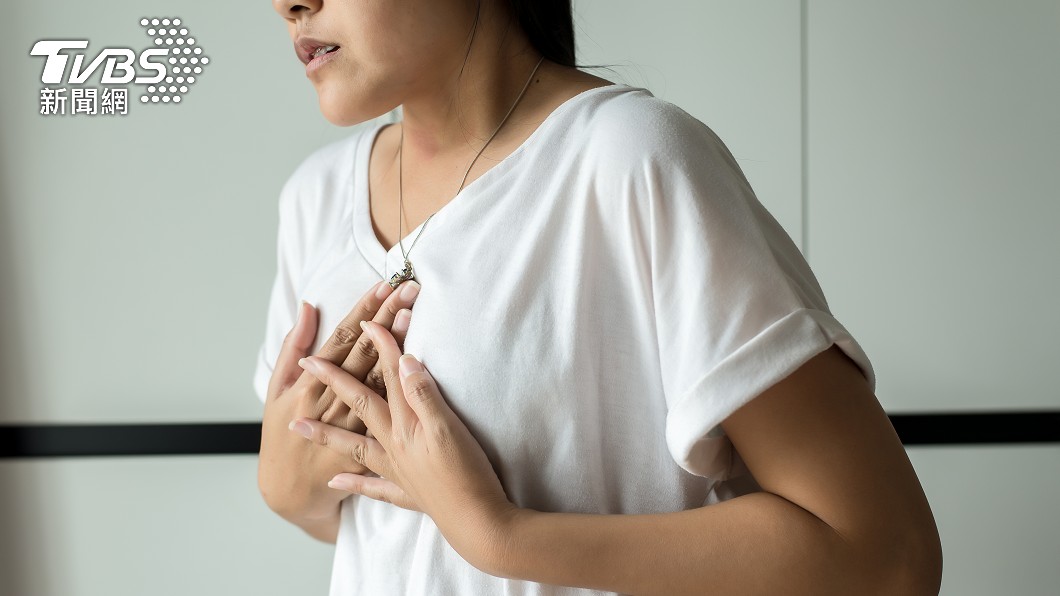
point(737, 308)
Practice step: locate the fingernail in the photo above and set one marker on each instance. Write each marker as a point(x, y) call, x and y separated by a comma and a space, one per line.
point(307, 364)
point(401, 321)
point(407, 364)
point(366, 328)
point(301, 310)
point(301, 428)
point(382, 290)
point(409, 290)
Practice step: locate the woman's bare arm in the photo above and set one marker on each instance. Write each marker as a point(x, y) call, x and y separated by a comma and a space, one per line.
point(842, 510)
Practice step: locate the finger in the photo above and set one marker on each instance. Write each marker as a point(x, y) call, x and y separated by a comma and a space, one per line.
point(295, 346)
point(362, 401)
point(361, 450)
point(339, 414)
point(342, 339)
point(421, 392)
point(363, 358)
point(374, 379)
point(379, 489)
point(389, 352)
point(400, 328)
point(328, 408)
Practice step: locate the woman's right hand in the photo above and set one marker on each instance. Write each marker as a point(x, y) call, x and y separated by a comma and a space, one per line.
point(293, 473)
point(348, 347)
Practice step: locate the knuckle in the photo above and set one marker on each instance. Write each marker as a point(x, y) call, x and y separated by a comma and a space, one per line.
point(360, 403)
point(419, 388)
point(344, 334)
point(376, 380)
point(365, 349)
point(358, 453)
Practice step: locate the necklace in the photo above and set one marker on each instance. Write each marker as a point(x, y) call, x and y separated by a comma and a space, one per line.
point(407, 272)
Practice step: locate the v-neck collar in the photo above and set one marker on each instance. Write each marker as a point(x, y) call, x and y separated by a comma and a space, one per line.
point(392, 260)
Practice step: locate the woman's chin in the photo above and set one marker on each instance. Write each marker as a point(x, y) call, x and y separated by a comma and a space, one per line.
point(339, 115)
point(345, 110)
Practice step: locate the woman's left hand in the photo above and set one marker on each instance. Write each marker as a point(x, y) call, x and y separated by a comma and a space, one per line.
point(426, 458)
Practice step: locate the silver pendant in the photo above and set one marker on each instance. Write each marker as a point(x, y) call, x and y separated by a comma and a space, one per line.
point(403, 275)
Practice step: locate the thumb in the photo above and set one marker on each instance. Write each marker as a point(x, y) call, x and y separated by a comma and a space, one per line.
point(295, 346)
point(421, 392)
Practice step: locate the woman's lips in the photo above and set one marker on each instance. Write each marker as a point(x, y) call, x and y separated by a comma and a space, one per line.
point(305, 47)
point(319, 61)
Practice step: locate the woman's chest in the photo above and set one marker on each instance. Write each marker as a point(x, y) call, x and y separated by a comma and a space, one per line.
point(542, 343)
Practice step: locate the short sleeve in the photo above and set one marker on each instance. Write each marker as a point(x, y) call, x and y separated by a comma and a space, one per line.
point(283, 300)
point(737, 308)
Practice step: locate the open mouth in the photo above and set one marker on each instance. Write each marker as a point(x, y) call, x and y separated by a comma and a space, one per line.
point(309, 49)
point(321, 51)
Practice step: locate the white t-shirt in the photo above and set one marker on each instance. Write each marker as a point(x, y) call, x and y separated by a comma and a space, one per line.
point(592, 308)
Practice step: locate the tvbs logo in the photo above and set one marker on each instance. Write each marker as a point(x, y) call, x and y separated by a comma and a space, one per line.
point(117, 59)
point(168, 70)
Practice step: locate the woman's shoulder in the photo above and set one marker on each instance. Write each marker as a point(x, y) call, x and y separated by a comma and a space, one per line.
point(630, 125)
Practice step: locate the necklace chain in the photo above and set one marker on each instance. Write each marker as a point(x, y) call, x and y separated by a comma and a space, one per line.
point(407, 272)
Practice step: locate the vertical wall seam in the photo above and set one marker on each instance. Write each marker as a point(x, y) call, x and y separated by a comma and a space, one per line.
point(804, 129)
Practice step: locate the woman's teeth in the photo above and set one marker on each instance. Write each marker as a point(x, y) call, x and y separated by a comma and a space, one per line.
point(323, 50)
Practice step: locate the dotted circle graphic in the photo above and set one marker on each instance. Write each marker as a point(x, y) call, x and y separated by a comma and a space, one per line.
point(184, 57)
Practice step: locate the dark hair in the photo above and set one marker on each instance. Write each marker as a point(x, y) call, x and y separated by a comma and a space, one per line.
point(550, 26)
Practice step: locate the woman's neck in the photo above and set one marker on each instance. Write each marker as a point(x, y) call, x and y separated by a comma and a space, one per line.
point(449, 115)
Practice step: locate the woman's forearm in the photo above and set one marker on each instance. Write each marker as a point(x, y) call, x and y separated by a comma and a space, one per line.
point(293, 474)
point(300, 495)
point(758, 543)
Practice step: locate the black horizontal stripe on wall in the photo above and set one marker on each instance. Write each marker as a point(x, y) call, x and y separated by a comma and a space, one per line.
point(66, 440)
point(60, 440)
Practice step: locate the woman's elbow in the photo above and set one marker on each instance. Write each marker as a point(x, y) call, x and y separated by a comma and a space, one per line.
point(917, 566)
point(926, 571)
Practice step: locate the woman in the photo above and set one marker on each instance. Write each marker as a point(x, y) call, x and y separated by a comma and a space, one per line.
point(622, 377)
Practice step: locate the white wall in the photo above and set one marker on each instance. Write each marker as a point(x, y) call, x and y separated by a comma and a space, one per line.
point(136, 256)
point(912, 148)
point(934, 169)
point(158, 526)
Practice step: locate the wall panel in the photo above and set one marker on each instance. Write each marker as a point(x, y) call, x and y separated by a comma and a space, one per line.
point(994, 507)
point(732, 65)
point(164, 526)
point(933, 144)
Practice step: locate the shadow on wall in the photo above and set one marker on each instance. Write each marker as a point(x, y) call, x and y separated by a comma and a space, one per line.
point(21, 523)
